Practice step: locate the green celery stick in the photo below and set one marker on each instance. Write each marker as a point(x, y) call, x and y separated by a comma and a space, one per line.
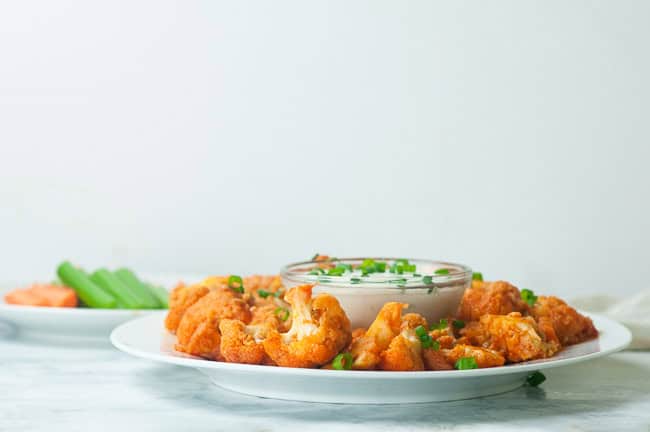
point(109, 282)
point(131, 280)
point(161, 294)
point(90, 293)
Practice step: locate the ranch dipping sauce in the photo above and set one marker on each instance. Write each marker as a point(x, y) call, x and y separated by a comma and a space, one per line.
point(363, 285)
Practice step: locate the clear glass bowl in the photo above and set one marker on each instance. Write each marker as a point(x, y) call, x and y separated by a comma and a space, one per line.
point(433, 290)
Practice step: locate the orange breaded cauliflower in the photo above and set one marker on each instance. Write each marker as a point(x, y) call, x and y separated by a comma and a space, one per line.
point(484, 357)
point(496, 298)
point(517, 338)
point(241, 343)
point(569, 325)
point(403, 354)
point(320, 329)
point(184, 296)
point(366, 350)
point(198, 332)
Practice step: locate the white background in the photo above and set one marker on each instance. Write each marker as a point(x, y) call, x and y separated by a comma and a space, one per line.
point(235, 136)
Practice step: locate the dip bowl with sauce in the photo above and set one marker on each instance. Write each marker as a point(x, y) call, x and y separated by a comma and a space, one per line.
point(363, 285)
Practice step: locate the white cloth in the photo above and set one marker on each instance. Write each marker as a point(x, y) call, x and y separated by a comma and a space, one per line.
point(633, 312)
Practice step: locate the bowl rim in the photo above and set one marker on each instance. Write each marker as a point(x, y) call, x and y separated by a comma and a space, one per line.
point(462, 275)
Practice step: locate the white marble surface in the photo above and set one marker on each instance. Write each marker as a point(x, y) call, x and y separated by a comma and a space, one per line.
point(89, 386)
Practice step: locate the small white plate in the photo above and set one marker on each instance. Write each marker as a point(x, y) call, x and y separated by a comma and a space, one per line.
point(146, 338)
point(53, 322)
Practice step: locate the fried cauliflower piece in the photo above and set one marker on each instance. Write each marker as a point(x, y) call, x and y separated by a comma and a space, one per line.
point(495, 298)
point(569, 325)
point(272, 314)
point(198, 332)
point(366, 350)
point(413, 320)
point(404, 353)
point(241, 343)
point(515, 337)
point(435, 360)
point(484, 357)
point(184, 296)
point(320, 329)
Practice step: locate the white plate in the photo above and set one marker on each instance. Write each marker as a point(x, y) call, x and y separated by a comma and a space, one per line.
point(146, 338)
point(51, 322)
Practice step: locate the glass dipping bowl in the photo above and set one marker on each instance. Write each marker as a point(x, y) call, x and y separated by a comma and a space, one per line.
point(428, 293)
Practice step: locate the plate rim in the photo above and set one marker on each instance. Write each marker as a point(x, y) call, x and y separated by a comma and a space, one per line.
point(188, 361)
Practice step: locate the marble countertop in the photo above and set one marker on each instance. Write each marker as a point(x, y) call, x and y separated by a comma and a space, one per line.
point(89, 386)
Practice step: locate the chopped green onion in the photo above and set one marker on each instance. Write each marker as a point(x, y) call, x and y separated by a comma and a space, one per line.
point(417, 275)
point(315, 257)
point(430, 290)
point(435, 345)
point(263, 293)
point(278, 293)
point(465, 363)
point(342, 361)
point(427, 280)
point(535, 379)
point(236, 283)
point(420, 331)
point(380, 267)
point(324, 279)
point(477, 276)
point(317, 271)
point(355, 280)
point(403, 261)
point(282, 313)
point(459, 324)
point(442, 271)
point(442, 325)
point(336, 271)
point(398, 282)
point(427, 343)
point(528, 296)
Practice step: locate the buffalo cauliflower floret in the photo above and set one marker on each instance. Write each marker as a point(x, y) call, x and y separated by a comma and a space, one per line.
point(241, 343)
point(484, 357)
point(515, 337)
point(366, 350)
point(404, 353)
point(569, 325)
point(198, 331)
point(496, 298)
point(320, 329)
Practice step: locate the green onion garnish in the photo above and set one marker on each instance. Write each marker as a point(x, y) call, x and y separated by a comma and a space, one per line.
point(465, 363)
point(428, 280)
point(282, 313)
point(236, 283)
point(442, 271)
point(442, 325)
point(316, 255)
point(535, 379)
point(324, 279)
point(528, 296)
point(336, 271)
point(342, 361)
point(317, 271)
point(459, 324)
point(420, 331)
point(477, 276)
point(278, 293)
point(355, 280)
point(368, 266)
point(425, 338)
point(263, 293)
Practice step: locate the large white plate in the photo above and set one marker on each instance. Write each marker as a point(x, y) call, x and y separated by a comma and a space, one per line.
point(146, 338)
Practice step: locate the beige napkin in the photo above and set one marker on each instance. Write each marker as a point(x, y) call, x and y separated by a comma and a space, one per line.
point(633, 312)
